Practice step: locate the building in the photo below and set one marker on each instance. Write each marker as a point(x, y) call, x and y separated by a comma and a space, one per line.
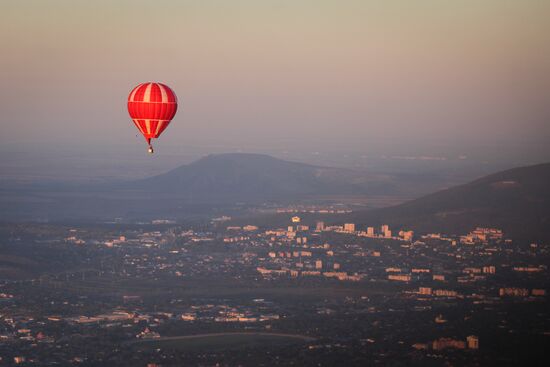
point(481, 235)
point(420, 346)
point(188, 317)
point(320, 226)
point(406, 235)
point(439, 319)
point(370, 231)
point(400, 277)
point(538, 292)
point(385, 229)
point(349, 227)
point(444, 343)
point(420, 270)
point(528, 269)
point(473, 342)
point(310, 273)
point(484, 234)
point(445, 293)
point(342, 276)
point(318, 264)
point(295, 219)
point(393, 270)
point(425, 291)
point(515, 292)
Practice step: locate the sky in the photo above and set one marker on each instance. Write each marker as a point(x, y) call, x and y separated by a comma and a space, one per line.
point(378, 77)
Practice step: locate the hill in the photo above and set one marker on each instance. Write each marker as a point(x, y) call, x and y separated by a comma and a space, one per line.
point(515, 200)
point(213, 182)
point(250, 177)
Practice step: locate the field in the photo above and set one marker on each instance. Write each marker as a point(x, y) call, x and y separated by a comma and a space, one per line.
point(222, 341)
point(308, 290)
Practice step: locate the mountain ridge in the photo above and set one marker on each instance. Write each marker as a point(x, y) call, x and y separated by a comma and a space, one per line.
point(516, 200)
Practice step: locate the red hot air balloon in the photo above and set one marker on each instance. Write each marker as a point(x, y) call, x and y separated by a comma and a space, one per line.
point(152, 106)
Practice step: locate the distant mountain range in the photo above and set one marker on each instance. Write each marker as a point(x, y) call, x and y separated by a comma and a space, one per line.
point(515, 200)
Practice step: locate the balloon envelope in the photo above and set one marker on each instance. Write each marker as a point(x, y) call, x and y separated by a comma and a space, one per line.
point(152, 106)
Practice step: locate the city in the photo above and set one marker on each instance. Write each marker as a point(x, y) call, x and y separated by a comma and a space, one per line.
point(316, 293)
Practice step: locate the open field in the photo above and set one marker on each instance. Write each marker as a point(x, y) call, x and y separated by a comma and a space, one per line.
point(221, 341)
point(220, 288)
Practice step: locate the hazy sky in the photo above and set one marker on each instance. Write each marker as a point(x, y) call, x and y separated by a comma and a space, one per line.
point(253, 74)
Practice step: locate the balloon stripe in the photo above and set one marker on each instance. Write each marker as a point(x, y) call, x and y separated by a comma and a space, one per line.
point(133, 93)
point(159, 125)
point(147, 95)
point(164, 95)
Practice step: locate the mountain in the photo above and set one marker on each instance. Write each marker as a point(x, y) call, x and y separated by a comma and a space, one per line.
point(515, 200)
point(250, 177)
point(215, 181)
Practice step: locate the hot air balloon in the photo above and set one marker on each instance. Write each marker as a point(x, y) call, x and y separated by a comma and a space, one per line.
point(152, 106)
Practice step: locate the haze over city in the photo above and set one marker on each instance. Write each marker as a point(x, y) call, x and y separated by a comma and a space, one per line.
point(274, 183)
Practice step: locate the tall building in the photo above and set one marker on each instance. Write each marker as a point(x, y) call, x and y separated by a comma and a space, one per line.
point(385, 229)
point(473, 342)
point(320, 226)
point(318, 264)
point(349, 227)
point(370, 231)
